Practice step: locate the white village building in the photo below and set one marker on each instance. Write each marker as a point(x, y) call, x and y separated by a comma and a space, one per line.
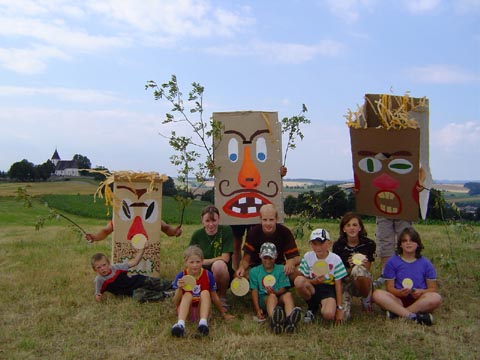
point(64, 167)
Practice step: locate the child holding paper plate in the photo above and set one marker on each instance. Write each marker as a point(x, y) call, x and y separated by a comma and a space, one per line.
point(114, 278)
point(270, 292)
point(357, 252)
point(195, 290)
point(321, 282)
point(410, 282)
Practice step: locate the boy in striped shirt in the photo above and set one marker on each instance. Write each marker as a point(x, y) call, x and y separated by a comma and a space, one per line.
point(321, 282)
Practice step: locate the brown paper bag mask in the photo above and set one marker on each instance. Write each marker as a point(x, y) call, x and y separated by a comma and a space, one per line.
point(137, 218)
point(248, 158)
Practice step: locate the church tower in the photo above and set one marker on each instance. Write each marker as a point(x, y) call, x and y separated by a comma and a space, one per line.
point(55, 157)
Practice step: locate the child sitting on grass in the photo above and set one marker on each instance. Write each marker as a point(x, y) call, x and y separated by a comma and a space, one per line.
point(198, 298)
point(270, 292)
point(115, 279)
point(323, 290)
point(410, 282)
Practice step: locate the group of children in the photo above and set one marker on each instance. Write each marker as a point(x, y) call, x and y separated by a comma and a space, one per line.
point(328, 277)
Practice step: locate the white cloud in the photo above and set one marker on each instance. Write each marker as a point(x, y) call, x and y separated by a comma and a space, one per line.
point(87, 96)
point(30, 60)
point(441, 74)
point(454, 151)
point(348, 10)
point(422, 6)
point(458, 137)
point(178, 18)
point(288, 53)
point(60, 29)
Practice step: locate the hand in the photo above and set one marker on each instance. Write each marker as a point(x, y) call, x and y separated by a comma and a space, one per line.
point(404, 292)
point(283, 171)
point(318, 280)
point(90, 238)
point(416, 293)
point(228, 316)
point(98, 297)
point(178, 231)
point(289, 267)
point(260, 315)
point(240, 272)
point(270, 290)
point(339, 316)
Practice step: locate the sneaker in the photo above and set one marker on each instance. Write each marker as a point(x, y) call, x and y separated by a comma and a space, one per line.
point(293, 319)
point(391, 315)
point(379, 282)
point(178, 330)
point(203, 329)
point(367, 304)
point(424, 319)
point(278, 320)
point(309, 317)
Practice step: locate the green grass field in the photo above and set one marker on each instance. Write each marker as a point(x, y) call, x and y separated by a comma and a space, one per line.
point(48, 310)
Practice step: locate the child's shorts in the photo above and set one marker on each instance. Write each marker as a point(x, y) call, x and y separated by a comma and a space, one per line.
point(322, 291)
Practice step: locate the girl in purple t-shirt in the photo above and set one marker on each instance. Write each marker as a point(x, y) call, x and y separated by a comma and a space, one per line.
point(411, 282)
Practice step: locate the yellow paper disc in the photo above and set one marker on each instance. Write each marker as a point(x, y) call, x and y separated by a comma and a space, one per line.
point(320, 268)
point(358, 258)
point(138, 241)
point(268, 280)
point(189, 282)
point(239, 286)
point(407, 283)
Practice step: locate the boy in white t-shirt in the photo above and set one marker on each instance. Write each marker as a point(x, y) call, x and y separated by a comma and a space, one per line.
point(324, 289)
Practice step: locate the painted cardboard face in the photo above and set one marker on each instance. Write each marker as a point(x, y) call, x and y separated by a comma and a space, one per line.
point(136, 219)
point(385, 166)
point(386, 163)
point(248, 156)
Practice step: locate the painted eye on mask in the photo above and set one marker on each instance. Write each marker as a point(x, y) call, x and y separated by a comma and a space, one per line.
point(150, 213)
point(261, 150)
point(400, 166)
point(370, 165)
point(233, 150)
point(124, 212)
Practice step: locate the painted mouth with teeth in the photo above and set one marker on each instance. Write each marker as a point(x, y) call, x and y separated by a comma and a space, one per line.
point(388, 202)
point(245, 205)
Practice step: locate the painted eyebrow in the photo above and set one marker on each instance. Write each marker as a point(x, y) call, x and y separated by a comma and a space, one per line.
point(137, 192)
point(396, 153)
point(244, 139)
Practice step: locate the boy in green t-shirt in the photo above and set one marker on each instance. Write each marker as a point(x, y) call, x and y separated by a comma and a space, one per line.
point(270, 292)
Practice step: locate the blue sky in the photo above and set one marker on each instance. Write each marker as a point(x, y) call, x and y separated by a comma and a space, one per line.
point(72, 74)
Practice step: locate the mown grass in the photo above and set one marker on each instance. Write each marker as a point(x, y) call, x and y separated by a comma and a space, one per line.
point(48, 311)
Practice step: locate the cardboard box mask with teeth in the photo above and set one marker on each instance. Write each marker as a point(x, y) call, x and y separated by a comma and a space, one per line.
point(386, 164)
point(247, 158)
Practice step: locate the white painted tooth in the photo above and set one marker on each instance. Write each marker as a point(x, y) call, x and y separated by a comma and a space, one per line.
point(252, 210)
point(258, 201)
point(242, 200)
point(236, 210)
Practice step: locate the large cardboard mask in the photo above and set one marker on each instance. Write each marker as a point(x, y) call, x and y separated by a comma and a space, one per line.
point(386, 165)
point(248, 158)
point(137, 218)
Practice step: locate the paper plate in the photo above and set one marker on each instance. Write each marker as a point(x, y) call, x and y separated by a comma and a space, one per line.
point(269, 280)
point(407, 283)
point(239, 286)
point(320, 268)
point(358, 258)
point(138, 241)
point(189, 282)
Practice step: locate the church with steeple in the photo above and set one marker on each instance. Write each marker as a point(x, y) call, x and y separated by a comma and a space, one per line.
point(64, 167)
